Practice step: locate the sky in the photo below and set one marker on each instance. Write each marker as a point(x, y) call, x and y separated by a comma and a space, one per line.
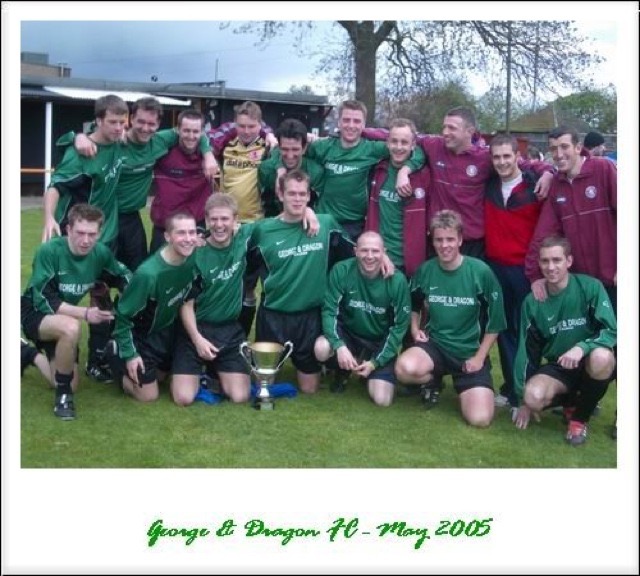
point(112, 509)
point(171, 51)
point(199, 51)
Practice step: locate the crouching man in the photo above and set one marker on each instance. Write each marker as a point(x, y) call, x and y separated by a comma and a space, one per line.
point(364, 319)
point(464, 315)
point(211, 332)
point(65, 268)
point(575, 330)
point(146, 313)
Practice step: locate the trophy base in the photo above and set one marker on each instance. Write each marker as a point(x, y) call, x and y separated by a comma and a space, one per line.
point(262, 404)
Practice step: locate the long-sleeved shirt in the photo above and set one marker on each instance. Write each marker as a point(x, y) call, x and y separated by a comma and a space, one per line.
point(375, 309)
point(79, 179)
point(583, 210)
point(61, 276)
point(509, 227)
point(239, 168)
point(458, 180)
point(151, 301)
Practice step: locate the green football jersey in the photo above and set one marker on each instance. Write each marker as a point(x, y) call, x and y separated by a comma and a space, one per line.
point(580, 315)
point(297, 265)
point(463, 304)
point(375, 309)
point(345, 193)
point(152, 300)
point(61, 276)
point(79, 179)
point(219, 278)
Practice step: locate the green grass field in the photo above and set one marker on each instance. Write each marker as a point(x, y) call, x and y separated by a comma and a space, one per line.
point(320, 431)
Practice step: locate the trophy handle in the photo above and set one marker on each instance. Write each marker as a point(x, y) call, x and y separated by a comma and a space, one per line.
point(245, 352)
point(288, 349)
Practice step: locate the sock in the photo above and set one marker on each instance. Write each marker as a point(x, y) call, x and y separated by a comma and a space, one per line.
point(246, 317)
point(99, 335)
point(591, 392)
point(63, 384)
point(565, 400)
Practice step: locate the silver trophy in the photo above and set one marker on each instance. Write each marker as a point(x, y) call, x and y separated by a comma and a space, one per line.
point(264, 360)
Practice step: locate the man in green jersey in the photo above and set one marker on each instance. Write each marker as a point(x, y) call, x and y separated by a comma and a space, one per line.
point(575, 330)
point(79, 179)
point(364, 319)
point(464, 316)
point(210, 331)
point(289, 155)
point(64, 270)
point(295, 278)
point(347, 161)
point(145, 314)
point(93, 180)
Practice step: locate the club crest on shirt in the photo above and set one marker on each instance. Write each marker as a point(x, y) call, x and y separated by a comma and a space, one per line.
point(591, 192)
point(419, 193)
point(255, 155)
point(472, 170)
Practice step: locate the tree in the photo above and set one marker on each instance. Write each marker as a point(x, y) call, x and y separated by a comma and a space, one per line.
point(418, 55)
point(598, 108)
point(303, 89)
point(426, 109)
point(365, 37)
point(491, 110)
point(540, 56)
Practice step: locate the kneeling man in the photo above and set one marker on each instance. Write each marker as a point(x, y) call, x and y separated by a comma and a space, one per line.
point(575, 330)
point(364, 319)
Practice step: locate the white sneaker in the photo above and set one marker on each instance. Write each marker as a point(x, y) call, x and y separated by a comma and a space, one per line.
point(500, 401)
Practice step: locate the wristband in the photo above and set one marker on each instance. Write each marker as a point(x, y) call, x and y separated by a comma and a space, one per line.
point(86, 315)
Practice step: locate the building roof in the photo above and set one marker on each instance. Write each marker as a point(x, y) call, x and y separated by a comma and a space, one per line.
point(127, 96)
point(546, 119)
point(43, 86)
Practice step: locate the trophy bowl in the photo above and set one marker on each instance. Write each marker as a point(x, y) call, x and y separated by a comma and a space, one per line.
point(265, 360)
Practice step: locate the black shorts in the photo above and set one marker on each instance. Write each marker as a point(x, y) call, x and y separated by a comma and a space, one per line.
point(353, 228)
point(300, 328)
point(131, 247)
point(156, 351)
point(31, 318)
point(445, 364)
point(362, 350)
point(226, 337)
point(570, 377)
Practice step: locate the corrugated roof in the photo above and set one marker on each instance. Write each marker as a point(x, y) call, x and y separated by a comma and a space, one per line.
point(191, 90)
point(87, 94)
